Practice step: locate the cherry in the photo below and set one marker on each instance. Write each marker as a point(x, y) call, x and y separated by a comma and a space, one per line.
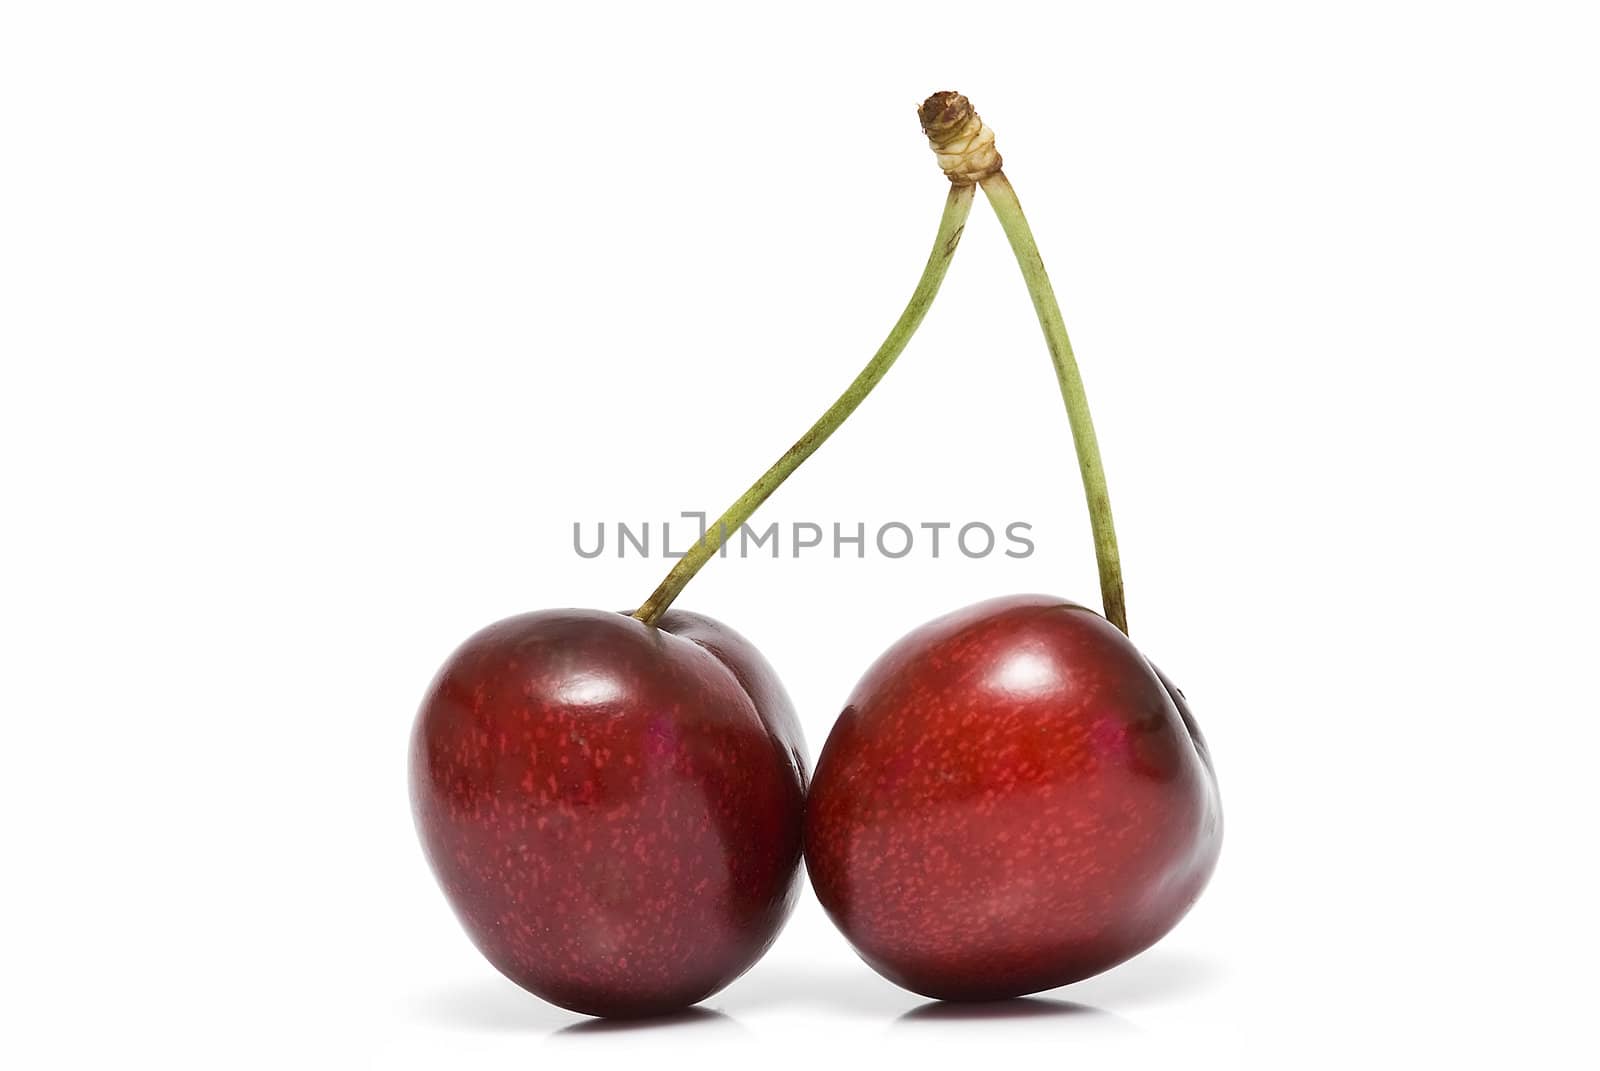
point(613, 809)
point(613, 804)
point(1013, 799)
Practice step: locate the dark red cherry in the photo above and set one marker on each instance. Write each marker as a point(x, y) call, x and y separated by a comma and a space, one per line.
point(1013, 799)
point(613, 810)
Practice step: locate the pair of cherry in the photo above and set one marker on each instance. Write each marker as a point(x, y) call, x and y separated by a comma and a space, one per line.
point(1013, 799)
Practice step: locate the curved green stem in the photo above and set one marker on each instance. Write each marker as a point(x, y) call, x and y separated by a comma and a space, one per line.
point(1003, 199)
point(956, 208)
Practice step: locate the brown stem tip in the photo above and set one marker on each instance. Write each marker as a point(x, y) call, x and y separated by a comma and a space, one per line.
point(961, 141)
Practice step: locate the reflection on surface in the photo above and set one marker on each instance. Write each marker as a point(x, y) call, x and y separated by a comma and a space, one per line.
point(1154, 978)
point(702, 1018)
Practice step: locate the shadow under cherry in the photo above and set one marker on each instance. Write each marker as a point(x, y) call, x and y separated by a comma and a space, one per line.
point(700, 1019)
point(945, 1011)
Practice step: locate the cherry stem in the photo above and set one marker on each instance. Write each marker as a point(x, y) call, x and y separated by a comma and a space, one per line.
point(1003, 199)
point(956, 208)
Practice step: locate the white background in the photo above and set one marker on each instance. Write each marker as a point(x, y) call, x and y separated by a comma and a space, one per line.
point(322, 322)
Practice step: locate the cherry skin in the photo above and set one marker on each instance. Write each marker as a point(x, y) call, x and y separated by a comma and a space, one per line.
point(614, 810)
point(1013, 799)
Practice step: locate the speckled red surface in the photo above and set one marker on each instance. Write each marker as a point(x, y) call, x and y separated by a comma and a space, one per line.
point(613, 811)
point(1013, 799)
